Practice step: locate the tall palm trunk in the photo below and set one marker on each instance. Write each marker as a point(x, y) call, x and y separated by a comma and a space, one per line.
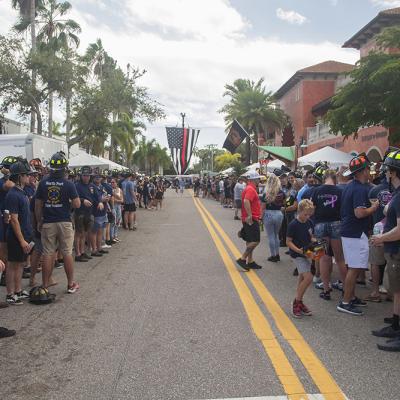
point(68, 117)
point(112, 140)
point(51, 102)
point(33, 39)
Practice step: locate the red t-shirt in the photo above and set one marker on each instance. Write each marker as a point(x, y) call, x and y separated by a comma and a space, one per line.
point(251, 194)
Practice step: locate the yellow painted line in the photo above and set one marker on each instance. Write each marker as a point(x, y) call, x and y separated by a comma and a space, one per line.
point(262, 329)
point(319, 374)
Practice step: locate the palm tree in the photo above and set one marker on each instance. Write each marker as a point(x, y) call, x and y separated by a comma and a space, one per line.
point(253, 107)
point(55, 33)
point(27, 11)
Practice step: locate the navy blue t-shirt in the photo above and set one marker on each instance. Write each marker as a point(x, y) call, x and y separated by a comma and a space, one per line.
point(100, 191)
point(87, 192)
point(391, 222)
point(3, 194)
point(17, 203)
point(308, 193)
point(327, 200)
point(301, 234)
point(29, 190)
point(355, 195)
point(382, 193)
point(56, 193)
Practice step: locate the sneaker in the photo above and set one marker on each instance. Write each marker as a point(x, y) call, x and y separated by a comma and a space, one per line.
point(58, 265)
point(388, 320)
point(382, 289)
point(390, 345)
point(387, 332)
point(297, 309)
point(316, 279)
point(106, 246)
point(4, 332)
point(254, 265)
point(305, 310)
point(349, 309)
point(117, 240)
point(338, 285)
point(325, 295)
point(102, 251)
point(96, 254)
point(23, 294)
point(81, 258)
point(272, 259)
point(114, 241)
point(13, 300)
point(358, 302)
point(87, 256)
point(242, 264)
point(73, 288)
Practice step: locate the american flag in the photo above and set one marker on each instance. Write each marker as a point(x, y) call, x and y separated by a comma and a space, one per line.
point(181, 142)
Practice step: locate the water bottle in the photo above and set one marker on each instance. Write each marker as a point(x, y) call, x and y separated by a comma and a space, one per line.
point(378, 228)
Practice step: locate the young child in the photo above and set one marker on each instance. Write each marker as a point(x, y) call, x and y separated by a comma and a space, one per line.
point(299, 236)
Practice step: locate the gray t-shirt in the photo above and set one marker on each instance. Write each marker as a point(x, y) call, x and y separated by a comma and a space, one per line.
point(237, 191)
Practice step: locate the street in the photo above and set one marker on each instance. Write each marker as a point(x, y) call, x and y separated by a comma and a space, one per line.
point(167, 315)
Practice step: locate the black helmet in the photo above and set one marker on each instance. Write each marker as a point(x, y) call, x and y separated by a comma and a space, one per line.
point(320, 171)
point(8, 161)
point(86, 170)
point(392, 160)
point(115, 173)
point(40, 295)
point(58, 161)
point(20, 167)
point(357, 164)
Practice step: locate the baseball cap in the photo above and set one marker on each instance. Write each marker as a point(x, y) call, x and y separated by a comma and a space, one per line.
point(253, 175)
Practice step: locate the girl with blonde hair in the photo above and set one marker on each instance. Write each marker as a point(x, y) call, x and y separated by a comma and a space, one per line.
point(273, 202)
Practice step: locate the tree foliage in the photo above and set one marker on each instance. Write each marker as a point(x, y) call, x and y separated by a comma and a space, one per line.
point(226, 160)
point(373, 95)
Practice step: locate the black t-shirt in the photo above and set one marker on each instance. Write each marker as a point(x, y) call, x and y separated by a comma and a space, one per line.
point(382, 193)
point(300, 233)
point(327, 201)
point(393, 214)
point(278, 202)
point(308, 193)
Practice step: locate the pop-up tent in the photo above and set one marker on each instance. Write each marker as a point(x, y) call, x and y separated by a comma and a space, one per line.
point(274, 164)
point(81, 158)
point(335, 158)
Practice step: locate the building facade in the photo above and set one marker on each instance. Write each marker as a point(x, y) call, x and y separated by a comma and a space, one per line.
point(306, 97)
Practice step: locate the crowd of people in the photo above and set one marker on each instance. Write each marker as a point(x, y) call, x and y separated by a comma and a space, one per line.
point(53, 217)
point(348, 218)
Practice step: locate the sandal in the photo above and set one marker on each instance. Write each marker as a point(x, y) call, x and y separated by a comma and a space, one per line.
point(373, 299)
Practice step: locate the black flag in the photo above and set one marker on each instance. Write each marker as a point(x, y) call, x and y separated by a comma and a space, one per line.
point(235, 136)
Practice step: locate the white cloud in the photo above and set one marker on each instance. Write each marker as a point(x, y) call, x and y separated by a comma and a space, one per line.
point(386, 3)
point(291, 16)
point(189, 60)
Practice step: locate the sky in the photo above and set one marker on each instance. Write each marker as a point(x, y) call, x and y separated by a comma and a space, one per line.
point(192, 48)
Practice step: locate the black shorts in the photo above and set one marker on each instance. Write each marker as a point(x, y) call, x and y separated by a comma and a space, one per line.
point(130, 207)
point(251, 233)
point(83, 222)
point(15, 252)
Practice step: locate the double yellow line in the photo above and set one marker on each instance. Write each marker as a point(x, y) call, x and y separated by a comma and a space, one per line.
point(286, 374)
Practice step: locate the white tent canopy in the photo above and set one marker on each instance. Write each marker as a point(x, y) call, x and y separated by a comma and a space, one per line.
point(253, 167)
point(82, 158)
point(334, 157)
point(274, 164)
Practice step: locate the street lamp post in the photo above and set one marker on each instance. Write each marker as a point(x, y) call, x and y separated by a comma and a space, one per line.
point(183, 115)
point(211, 147)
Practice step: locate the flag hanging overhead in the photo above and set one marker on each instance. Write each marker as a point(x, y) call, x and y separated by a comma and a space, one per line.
point(181, 142)
point(235, 136)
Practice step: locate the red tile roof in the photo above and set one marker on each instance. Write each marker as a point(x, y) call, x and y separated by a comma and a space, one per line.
point(332, 68)
point(384, 19)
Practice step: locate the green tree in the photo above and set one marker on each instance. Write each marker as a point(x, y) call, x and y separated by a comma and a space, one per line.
point(55, 33)
point(373, 95)
point(254, 108)
point(226, 160)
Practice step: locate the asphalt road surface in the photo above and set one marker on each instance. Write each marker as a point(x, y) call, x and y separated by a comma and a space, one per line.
point(167, 315)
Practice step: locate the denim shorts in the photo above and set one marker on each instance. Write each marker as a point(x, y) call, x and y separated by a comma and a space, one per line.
point(327, 229)
point(99, 223)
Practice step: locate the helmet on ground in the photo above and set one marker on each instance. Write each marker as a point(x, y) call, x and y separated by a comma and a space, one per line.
point(21, 167)
point(320, 171)
point(58, 161)
point(8, 161)
point(357, 164)
point(86, 170)
point(392, 160)
point(40, 295)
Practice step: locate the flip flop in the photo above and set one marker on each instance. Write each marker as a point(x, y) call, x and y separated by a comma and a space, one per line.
point(373, 299)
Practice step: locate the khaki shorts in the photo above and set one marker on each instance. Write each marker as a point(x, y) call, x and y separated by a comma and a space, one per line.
point(58, 236)
point(393, 272)
point(376, 255)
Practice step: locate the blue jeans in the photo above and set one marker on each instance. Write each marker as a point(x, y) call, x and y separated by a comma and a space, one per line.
point(272, 224)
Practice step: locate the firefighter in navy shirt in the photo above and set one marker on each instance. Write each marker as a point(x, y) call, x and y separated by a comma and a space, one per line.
point(391, 241)
point(54, 199)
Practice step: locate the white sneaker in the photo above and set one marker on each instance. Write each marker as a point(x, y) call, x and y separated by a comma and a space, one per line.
point(106, 246)
point(316, 279)
point(382, 289)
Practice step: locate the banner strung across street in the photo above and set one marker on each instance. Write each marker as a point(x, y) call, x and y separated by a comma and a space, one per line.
point(235, 137)
point(181, 142)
